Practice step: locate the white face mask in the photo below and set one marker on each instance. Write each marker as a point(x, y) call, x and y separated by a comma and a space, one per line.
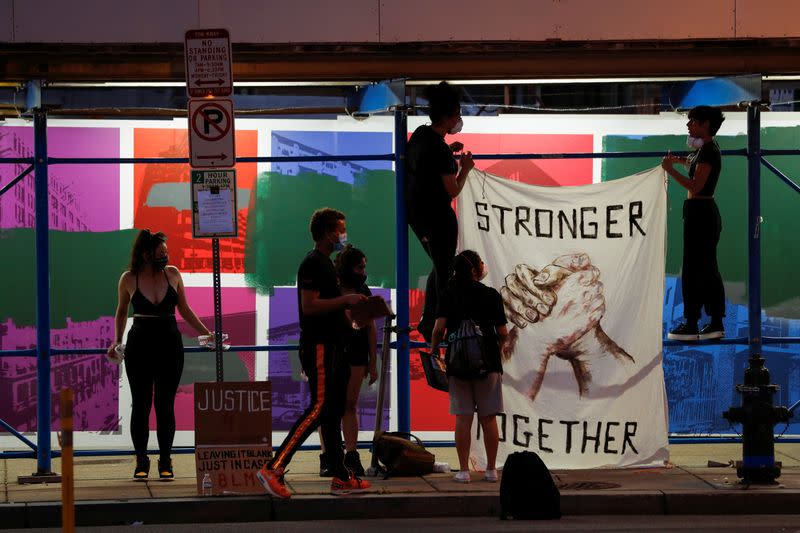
point(457, 127)
point(338, 246)
point(694, 142)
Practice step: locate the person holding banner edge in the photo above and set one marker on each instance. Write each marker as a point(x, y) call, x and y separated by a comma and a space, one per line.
point(323, 328)
point(154, 350)
point(701, 281)
point(466, 297)
point(434, 180)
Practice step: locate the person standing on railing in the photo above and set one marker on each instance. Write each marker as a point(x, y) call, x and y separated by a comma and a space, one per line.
point(323, 329)
point(154, 349)
point(701, 281)
point(435, 178)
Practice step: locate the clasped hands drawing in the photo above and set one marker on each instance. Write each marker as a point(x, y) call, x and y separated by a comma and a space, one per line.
point(564, 301)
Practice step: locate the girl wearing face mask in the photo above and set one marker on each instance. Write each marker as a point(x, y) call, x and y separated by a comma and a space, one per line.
point(154, 349)
point(466, 297)
point(360, 348)
point(701, 281)
point(434, 177)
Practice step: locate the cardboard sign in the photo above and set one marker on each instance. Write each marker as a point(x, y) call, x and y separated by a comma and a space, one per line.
point(233, 413)
point(232, 434)
point(232, 470)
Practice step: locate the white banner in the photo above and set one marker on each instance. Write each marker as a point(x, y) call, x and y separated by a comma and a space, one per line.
point(581, 271)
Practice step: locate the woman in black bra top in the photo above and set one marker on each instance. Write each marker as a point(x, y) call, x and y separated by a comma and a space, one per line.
point(154, 349)
point(700, 278)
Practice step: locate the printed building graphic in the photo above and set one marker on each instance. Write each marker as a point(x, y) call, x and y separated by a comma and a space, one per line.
point(94, 380)
point(18, 207)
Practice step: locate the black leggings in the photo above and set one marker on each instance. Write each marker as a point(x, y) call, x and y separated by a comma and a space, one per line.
point(442, 239)
point(154, 364)
point(701, 281)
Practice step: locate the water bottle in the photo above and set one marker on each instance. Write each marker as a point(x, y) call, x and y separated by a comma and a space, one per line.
point(207, 485)
point(119, 354)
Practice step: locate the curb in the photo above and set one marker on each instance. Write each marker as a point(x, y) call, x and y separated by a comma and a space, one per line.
point(264, 509)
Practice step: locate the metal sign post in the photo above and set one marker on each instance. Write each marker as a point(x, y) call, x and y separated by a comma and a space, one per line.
point(214, 208)
point(209, 67)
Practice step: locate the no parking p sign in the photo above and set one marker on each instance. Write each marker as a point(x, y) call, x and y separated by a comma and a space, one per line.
point(211, 133)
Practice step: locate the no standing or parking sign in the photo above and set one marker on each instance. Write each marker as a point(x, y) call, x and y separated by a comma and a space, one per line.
point(208, 63)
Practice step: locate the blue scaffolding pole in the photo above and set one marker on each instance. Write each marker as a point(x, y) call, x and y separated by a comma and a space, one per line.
point(402, 259)
point(43, 399)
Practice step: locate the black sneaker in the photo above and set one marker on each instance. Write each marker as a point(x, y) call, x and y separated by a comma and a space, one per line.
point(353, 463)
point(712, 331)
point(685, 332)
point(142, 469)
point(324, 467)
point(165, 472)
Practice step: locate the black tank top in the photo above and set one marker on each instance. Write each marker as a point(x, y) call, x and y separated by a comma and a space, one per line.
point(164, 308)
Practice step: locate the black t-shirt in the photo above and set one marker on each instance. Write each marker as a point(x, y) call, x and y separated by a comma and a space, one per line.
point(428, 158)
point(482, 304)
point(316, 273)
point(710, 155)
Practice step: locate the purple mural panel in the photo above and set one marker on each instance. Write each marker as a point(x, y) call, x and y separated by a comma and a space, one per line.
point(94, 381)
point(290, 394)
point(82, 197)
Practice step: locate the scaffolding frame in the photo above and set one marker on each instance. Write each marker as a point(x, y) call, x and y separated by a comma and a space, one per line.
point(40, 163)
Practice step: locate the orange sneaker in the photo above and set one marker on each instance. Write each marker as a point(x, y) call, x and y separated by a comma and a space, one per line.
point(354, 484)
point(272, 481)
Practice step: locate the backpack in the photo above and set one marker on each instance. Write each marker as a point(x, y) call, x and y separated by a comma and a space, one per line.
point(527, 490)
point(403, 454)
point(465, 351)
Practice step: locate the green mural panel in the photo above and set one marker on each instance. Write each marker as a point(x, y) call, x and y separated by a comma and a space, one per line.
point(277, 226)
point(780, 206)
point(84, 271)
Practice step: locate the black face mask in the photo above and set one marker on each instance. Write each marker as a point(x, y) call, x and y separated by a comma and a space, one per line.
point(354, 280)
point(160, 263)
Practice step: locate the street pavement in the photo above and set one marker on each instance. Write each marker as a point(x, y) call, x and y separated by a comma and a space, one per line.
point(106, 495)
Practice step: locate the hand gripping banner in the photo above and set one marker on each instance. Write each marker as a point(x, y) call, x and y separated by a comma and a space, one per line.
point(581, 272)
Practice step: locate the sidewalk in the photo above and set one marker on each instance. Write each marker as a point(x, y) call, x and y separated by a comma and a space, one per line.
point(106, 495)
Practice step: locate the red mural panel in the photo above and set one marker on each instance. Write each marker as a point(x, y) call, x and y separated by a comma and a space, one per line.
point(162, 198)
point(551, 172)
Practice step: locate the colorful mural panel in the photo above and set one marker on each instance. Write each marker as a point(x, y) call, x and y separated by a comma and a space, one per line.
point(161, 198)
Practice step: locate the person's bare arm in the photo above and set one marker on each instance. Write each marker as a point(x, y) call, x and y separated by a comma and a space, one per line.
point(454, 183)
point(121, 314)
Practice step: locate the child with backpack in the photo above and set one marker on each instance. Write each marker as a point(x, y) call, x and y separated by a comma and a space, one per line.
point(474, 319)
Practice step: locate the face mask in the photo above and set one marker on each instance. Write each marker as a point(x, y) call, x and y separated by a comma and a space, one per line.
point(457, 127)
point(355, 280)
point(340, 244)
point(160, 263)
point(694, 142)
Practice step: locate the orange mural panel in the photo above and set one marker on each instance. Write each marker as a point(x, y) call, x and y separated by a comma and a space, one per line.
point(162, 198)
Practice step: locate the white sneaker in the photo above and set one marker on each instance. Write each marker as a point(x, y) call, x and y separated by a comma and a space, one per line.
point(491, 476)
point(462, 476)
